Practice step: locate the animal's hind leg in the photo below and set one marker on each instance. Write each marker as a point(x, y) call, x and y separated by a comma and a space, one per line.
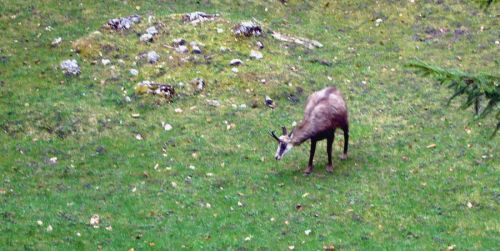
point(346, 142)
point(310, 166)
point(329, 148)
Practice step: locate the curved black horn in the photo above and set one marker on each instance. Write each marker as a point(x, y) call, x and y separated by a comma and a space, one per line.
point(284, 130)
point(273, 134)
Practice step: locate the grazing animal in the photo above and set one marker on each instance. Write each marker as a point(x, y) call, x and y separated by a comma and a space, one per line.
point(325, 111)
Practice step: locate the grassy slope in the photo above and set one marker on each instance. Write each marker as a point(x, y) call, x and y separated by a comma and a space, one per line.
point(375, 200)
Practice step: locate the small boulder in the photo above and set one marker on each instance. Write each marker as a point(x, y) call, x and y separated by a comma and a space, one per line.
point(179, 41)
point(247, 29)
point(146, 38)
point(260, 45)
point(235, 62)
point(213, 102)
point(181, 49)
point(153, 57)
point(134, 72)
point(56, 42)
point(70, 67)
point(199, 83)
point(269, 102)
point(152, 31)
point(256, 54)
point(198, 17)
point(123, 23)
point(195, 49)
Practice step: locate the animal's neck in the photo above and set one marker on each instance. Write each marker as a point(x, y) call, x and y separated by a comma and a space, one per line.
point(300, 134)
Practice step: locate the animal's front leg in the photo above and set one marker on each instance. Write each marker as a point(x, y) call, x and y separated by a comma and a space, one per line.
point(329, 144)
point(310, 166)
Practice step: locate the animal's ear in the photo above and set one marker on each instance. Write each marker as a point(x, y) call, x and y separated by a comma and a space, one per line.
point(284, 130)
point(291, 132)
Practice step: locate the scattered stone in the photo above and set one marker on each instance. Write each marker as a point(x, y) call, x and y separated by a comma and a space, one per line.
point(53, 160)
point(152, 31)
point(153, 57)
point(235, 62)
point(234, 69)
point(378, 21)
point(256, 54)
point(138, 137)
point(213, 102)
point(128, 99)
point(308, 43)
point(56, 42)
point(200, 84)
point(49, 228)
point(260, 45)
point(146, 38)
point(223, 49)
point(195, 49)
point(179, 41)
point(181, 49)
point(166, 127)
point(123, 23)
point(149, 87)
point(247, 29)
point(198, 17)
point(269, 102)
point(134, 72)
point(70, 67)
point(219, 30)
point(94, 220)
point(105, 61)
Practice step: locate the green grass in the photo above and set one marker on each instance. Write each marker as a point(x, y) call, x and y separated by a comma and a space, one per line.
point(393, 193)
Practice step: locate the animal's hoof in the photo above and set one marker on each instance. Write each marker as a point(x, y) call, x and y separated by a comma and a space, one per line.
point(308, 170)
point(343, 156)
point(329, 168)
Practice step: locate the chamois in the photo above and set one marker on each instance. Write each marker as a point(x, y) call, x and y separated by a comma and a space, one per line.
point(325, 111)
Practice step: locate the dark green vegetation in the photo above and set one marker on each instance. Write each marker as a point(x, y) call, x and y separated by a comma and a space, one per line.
point(476, 88)
point(420, 175)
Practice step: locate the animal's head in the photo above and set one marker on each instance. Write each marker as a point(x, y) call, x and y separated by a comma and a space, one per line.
point(284, 143)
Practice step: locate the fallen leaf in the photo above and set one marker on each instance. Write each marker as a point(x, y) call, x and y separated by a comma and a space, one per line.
point(49, 228)
point(305, 195)
point(39, 222)
point(307, 232)
point(291, 247)
point(109, 228)
point(329, 248)
point(431, 146)
point(469, 204)
point(94, 220)
point(451, 247)
point(135, 115)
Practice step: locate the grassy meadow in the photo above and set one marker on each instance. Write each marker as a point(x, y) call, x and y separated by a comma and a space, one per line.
point(420, 175)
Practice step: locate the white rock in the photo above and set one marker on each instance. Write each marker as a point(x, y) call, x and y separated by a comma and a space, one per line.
point(105, 61)
point(56, 42)
point(256, 54)
point(213, 102)
point(134, 72)
point(152, 31)
point(181, 49)
point(146, 38)
point(49, 228)
point(70, 67)
point(167, 127)
point(153, 57)
point(234, 69)
point(235, 62)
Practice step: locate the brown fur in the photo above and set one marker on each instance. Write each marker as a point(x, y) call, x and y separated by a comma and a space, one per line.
point(325, 111)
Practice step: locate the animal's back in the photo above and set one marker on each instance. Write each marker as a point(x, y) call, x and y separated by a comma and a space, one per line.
point(326, 107)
